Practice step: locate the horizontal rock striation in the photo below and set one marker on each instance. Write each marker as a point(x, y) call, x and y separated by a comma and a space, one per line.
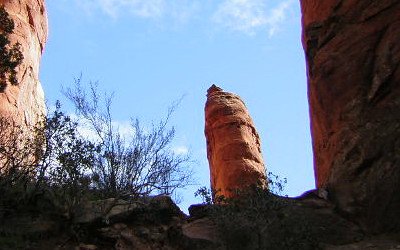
point(233, 144)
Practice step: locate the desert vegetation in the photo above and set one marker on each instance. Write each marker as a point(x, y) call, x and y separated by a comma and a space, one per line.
point(258, 218)
point(56, 166)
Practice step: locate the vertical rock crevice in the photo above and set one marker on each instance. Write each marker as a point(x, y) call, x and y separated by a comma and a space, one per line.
point(353, 53)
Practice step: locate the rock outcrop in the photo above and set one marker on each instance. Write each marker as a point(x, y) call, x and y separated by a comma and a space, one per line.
point(353, 55)
point(155, 222)
point(233, 144)
point(149, 223)
point(24, 102)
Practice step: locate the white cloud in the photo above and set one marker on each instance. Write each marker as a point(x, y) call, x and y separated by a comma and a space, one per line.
point(277, 16)
point(140, 8)
point(180, 150)
point(183, 10)
point(124, 128)
point(248, 16)
point(179, 10)
point(245, 16)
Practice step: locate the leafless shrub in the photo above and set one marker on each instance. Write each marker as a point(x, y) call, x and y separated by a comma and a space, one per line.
point(142, 164)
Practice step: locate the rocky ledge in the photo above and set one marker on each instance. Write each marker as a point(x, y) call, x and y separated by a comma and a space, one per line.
point(306, 222)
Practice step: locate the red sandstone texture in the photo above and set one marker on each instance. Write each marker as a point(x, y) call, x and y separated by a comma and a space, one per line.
point(233, 144)
point(25, 102)
point(353, 55)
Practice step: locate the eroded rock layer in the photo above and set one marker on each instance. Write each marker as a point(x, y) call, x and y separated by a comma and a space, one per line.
point(353, 55)
point(24, 102)
point(233, 144)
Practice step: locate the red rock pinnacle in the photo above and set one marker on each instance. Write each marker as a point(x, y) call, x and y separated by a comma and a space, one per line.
point(233, 144)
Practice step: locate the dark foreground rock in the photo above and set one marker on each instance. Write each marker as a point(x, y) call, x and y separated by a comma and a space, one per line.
point(264, 222)
point(146, 223)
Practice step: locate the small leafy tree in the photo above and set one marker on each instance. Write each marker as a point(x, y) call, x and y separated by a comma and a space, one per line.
point(16, 149)
point(64, 160)
point(10, 55)
point(48, 158)
point(17, 165)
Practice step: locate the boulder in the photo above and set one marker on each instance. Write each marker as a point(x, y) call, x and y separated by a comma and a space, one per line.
point(233, 144)
point(160, 209)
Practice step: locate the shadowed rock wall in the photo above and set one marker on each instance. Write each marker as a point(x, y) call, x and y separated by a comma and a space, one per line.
point(353, 55)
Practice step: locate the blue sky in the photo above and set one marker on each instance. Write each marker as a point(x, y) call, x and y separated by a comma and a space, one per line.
point(152, 52)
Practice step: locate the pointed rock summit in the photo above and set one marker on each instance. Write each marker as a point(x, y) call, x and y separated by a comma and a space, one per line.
point(214, 88)
point(233, 144)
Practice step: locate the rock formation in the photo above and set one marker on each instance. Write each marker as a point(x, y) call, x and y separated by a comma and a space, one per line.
point(233, 144)
point(24, 102)
point(353, 55)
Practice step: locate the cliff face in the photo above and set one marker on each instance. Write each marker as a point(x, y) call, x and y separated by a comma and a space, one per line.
point(24, 102)
point(233, 144)
point(353, 55)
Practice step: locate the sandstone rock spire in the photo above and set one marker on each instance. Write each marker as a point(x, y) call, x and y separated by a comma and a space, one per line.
point(24, 102)
point(233, 144)
point(353, 56)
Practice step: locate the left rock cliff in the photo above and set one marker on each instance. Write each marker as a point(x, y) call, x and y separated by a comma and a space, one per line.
point(24, 102)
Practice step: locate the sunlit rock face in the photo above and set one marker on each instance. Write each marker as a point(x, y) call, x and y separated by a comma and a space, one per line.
point(24, 102)
point(353, 55)
point(233, 144)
